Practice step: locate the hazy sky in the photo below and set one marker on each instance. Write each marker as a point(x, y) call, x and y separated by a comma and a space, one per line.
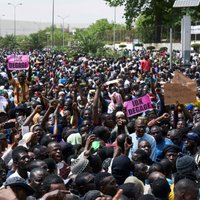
point(78, 11)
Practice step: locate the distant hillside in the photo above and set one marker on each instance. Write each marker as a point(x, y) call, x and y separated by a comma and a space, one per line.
point(28, 27)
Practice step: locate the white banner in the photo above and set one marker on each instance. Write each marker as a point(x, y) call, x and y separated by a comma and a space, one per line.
point(195, 29)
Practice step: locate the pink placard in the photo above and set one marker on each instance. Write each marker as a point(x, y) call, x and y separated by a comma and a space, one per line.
point(18, 62)
point(138, 105)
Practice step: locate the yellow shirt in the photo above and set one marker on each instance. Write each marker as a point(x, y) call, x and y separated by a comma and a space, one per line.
point(21, 92)
point(196, 103)
point(171, 194)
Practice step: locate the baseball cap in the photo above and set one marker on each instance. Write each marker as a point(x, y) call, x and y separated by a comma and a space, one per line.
point(193, 136)
point(19, 182)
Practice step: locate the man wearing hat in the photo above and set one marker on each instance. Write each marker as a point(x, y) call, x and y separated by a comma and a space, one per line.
point(186, 168)
point(19, 186)
point(171, 153)
point(191, 146)
point(186, 164)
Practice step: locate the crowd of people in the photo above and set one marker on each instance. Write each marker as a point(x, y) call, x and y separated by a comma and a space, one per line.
point(65, 132)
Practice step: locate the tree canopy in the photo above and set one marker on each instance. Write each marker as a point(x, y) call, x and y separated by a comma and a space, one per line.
point(90, 41)
point(155, 12)
point(161, 10)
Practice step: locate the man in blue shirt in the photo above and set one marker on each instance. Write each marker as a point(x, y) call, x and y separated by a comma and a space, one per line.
point(140, 134)
point(161, 142)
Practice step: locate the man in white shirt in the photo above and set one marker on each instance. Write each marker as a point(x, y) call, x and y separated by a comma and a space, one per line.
point(21, 160)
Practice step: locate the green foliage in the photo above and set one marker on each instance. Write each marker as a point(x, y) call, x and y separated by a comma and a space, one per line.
point(141, 24)
point(107, 53)
point(36, 42)
point(89, 41)
point(104, 31)
point(154, 14)
point(86, 42)
point(23, 42)
point(100, 26)
point(196, 47)
point(151, 48)
point(8, 42)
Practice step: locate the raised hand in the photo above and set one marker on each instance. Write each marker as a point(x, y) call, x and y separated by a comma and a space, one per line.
point(88, 145)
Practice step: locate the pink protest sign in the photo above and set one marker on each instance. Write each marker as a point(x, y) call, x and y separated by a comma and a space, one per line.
point(18, 62)
point(138, 105)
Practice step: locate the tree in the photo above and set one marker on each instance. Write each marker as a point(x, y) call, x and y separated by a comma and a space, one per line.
point(23, 42)
point(156, 12)
point(87, 42)
point(8, 42)
point(92, 40)
point(36, 42)
point(100, 26)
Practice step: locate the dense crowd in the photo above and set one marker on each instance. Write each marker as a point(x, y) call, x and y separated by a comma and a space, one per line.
point(66, 133)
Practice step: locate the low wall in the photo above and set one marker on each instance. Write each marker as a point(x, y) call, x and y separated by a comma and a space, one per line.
point(175, 46)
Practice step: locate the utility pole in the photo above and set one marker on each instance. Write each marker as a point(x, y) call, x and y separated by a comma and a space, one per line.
point(63, 29)
point(15, 7)
point(52, 29)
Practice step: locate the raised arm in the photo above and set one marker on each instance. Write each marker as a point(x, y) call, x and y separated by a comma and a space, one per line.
point(186, 112)
point(75, 111)
point(83, 98)
point(96, 103)
point(155, 121)
point(29, 119)
point(29, 72)
point(48, 112)
point(55, 129)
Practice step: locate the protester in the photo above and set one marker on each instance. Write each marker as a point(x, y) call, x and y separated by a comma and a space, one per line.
point(161, 142)
point(85, 127)
point(186, 189)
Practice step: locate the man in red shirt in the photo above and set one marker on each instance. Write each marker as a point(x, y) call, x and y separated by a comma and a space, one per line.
point(145, 64)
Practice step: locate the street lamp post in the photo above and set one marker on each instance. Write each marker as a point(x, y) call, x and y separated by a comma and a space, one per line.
point(63, 24)
point(15, 6)
point(114, 31)
point(52, 31)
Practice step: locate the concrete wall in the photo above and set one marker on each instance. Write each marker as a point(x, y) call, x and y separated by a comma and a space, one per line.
point(175, 46)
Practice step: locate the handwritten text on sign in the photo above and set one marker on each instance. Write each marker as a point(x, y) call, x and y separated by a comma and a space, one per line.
point(18, 62)
point(138, 105)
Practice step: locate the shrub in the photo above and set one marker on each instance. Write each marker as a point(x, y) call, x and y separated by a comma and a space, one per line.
point(122, 45)
point(151, 48)
point(196, 47)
